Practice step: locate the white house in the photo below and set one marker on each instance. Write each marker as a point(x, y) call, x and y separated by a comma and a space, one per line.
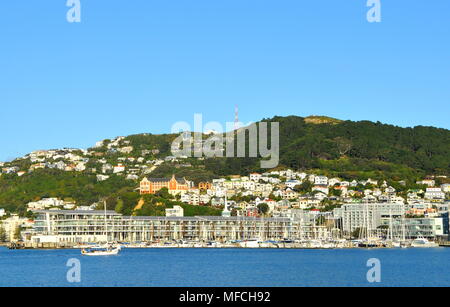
point(102, 178)
point(45, 203)
point(293, 183)
point(320, 196)
point(321, 180)
point(176, 211)
point(255, 177)
point(80, 167)
point(397, 200)
point(120, 168)
point(321, 188)
point(205, 198)
point(428, 182)
point(334, 181)
point(434, 193)
point(445, 188)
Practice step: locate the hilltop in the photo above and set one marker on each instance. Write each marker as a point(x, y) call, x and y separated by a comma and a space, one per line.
point(313, 119)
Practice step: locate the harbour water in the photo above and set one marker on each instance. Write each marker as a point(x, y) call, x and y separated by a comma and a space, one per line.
point(227, 267)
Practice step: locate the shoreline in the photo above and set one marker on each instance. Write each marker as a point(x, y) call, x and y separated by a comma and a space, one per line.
point(234, 247)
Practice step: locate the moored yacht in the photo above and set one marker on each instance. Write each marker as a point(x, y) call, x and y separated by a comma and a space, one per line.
point(106, 250)
point(423, 243)
point(252, 243)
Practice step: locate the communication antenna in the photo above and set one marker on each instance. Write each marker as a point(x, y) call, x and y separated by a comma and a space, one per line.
point(236, 117)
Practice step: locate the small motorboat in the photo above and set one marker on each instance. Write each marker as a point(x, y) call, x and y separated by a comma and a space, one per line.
point(423, 243)
point(101, 251)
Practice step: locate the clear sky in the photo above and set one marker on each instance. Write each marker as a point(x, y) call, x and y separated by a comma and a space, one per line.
point(142, 65)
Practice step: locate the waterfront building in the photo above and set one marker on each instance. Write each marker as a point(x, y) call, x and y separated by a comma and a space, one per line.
point(446, 224)
point(367, 215)
point(306, 225)
point(11, 226)
point(72, 227)
point(430, 228)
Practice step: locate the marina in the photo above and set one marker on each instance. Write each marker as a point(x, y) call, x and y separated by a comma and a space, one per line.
point(93, 230)
point(246, 244)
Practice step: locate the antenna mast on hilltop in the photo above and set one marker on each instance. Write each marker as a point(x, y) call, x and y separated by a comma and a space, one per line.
point(236, 117)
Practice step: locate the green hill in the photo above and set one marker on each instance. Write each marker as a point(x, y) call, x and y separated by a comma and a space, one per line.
point(350, 150)
point(369, 145)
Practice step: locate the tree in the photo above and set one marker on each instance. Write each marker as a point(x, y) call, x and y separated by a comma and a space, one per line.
point(305, 187)
point(263, 208)
point(344, 145)
point(2, 234)
point(356, 234)
point(335, 192)
point(164, 193)
point(320, 221)
point(18, 233)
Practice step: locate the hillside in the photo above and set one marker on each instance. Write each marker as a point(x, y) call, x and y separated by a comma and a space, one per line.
point(323, 145)
point(370, 145)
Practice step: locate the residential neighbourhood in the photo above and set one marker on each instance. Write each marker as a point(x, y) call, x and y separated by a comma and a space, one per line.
point(339, 204)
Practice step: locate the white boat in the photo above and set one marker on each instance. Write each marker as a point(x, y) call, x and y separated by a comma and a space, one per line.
point(396, 244)
point(100, 251)
point(319, 244)
point(423, 243)
point(249, 244)
point(105, 250)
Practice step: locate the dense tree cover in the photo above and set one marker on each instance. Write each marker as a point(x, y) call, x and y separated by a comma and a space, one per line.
point(131, 203)
point(16, 192)
point(2, 234)
point(371, 146)
point(161, 142)
point(195, 174)
point(305, 187)
point(351, 150)
point(263, 208)
point(155, 205)
point(336, 148)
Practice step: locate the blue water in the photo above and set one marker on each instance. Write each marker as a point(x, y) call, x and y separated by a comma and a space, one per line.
point(227, 267)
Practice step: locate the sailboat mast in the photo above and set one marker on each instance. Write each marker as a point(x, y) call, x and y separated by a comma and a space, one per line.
point(367, 223)
point(404, 228)
point(106, 225)
point(390, 225)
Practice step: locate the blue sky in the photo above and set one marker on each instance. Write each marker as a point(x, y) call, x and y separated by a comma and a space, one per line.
point(142, 65)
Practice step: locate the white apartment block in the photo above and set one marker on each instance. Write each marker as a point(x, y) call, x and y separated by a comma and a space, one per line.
point(356, 216)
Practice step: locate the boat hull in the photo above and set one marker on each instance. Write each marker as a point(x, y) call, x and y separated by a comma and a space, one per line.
point(102, 253)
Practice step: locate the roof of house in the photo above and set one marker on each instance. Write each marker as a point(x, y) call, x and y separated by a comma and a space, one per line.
point(179, 180)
